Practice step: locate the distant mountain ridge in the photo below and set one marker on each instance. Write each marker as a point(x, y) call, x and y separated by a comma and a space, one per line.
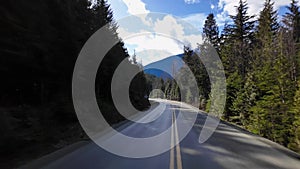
point(165, 68)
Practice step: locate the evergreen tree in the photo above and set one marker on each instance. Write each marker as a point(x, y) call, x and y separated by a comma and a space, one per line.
point(211, 30)
point(295, 109)
point(291, 21)
point(40, 43)
point(242, 37)
point(270, 117)
point(194, 63)
point(226, 49)
point(236, 45)
point(267, 26)
point(245, 99)
point(234, 88)
point(134, 61)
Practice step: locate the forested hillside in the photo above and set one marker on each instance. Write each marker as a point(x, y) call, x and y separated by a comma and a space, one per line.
point(40, 42)
point(261, 58)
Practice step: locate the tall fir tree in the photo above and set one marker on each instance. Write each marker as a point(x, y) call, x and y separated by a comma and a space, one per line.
point(291, 22)
point(270, 117)
point(295, 130)
point(226, 49)
point(267, 27)
point(236, 44)
point(211, 31)
point(242, 37)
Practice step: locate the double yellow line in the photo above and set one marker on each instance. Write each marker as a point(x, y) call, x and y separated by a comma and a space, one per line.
point(175, 139)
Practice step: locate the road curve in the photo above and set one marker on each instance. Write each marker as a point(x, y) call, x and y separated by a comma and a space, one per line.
point(228, 148)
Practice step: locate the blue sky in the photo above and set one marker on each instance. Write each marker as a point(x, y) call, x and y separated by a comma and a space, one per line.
point(193, 12)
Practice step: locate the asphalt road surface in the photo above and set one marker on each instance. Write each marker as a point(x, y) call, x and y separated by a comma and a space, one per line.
point(228, 148)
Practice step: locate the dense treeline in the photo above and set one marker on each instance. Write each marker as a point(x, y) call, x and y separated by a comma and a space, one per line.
point(261, 58)
point(40, 41)
point(193, 68)
point(261, 61)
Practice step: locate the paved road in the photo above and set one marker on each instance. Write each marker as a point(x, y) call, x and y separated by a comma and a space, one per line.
point(228, 148)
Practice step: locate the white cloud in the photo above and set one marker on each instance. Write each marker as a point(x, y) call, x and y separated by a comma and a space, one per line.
point(148, 45)
point(149, 41)
point(191, 1)
point(197, 20)
point(228, 7)
point(177, 31)
point(164, 26)
point(168, 34)
point(159, 32)
point(212, 6)
point(135, 7)
point(280, 3)
point(143, 41)
point(255, 6)
point(119, 8)
point(222, 18)
point(149, 56)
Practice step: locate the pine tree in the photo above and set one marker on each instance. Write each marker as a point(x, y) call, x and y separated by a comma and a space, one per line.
point(242, 37)
point(236, 44)
point(246, 99)
point(286, 88)
point(267, 26)
point(295, 139)
point(192, 60)
point(270, 117)
point(291, 21)
point(234, 87)
point(260, 122)
point(134, 61)
point(211, 31)
point(226, 49)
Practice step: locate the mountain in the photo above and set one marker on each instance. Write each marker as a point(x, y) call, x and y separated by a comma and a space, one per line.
point(165, 68)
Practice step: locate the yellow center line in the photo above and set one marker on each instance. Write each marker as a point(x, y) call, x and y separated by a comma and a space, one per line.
point(172, 145)
point(178, 154)
point(172, 153)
